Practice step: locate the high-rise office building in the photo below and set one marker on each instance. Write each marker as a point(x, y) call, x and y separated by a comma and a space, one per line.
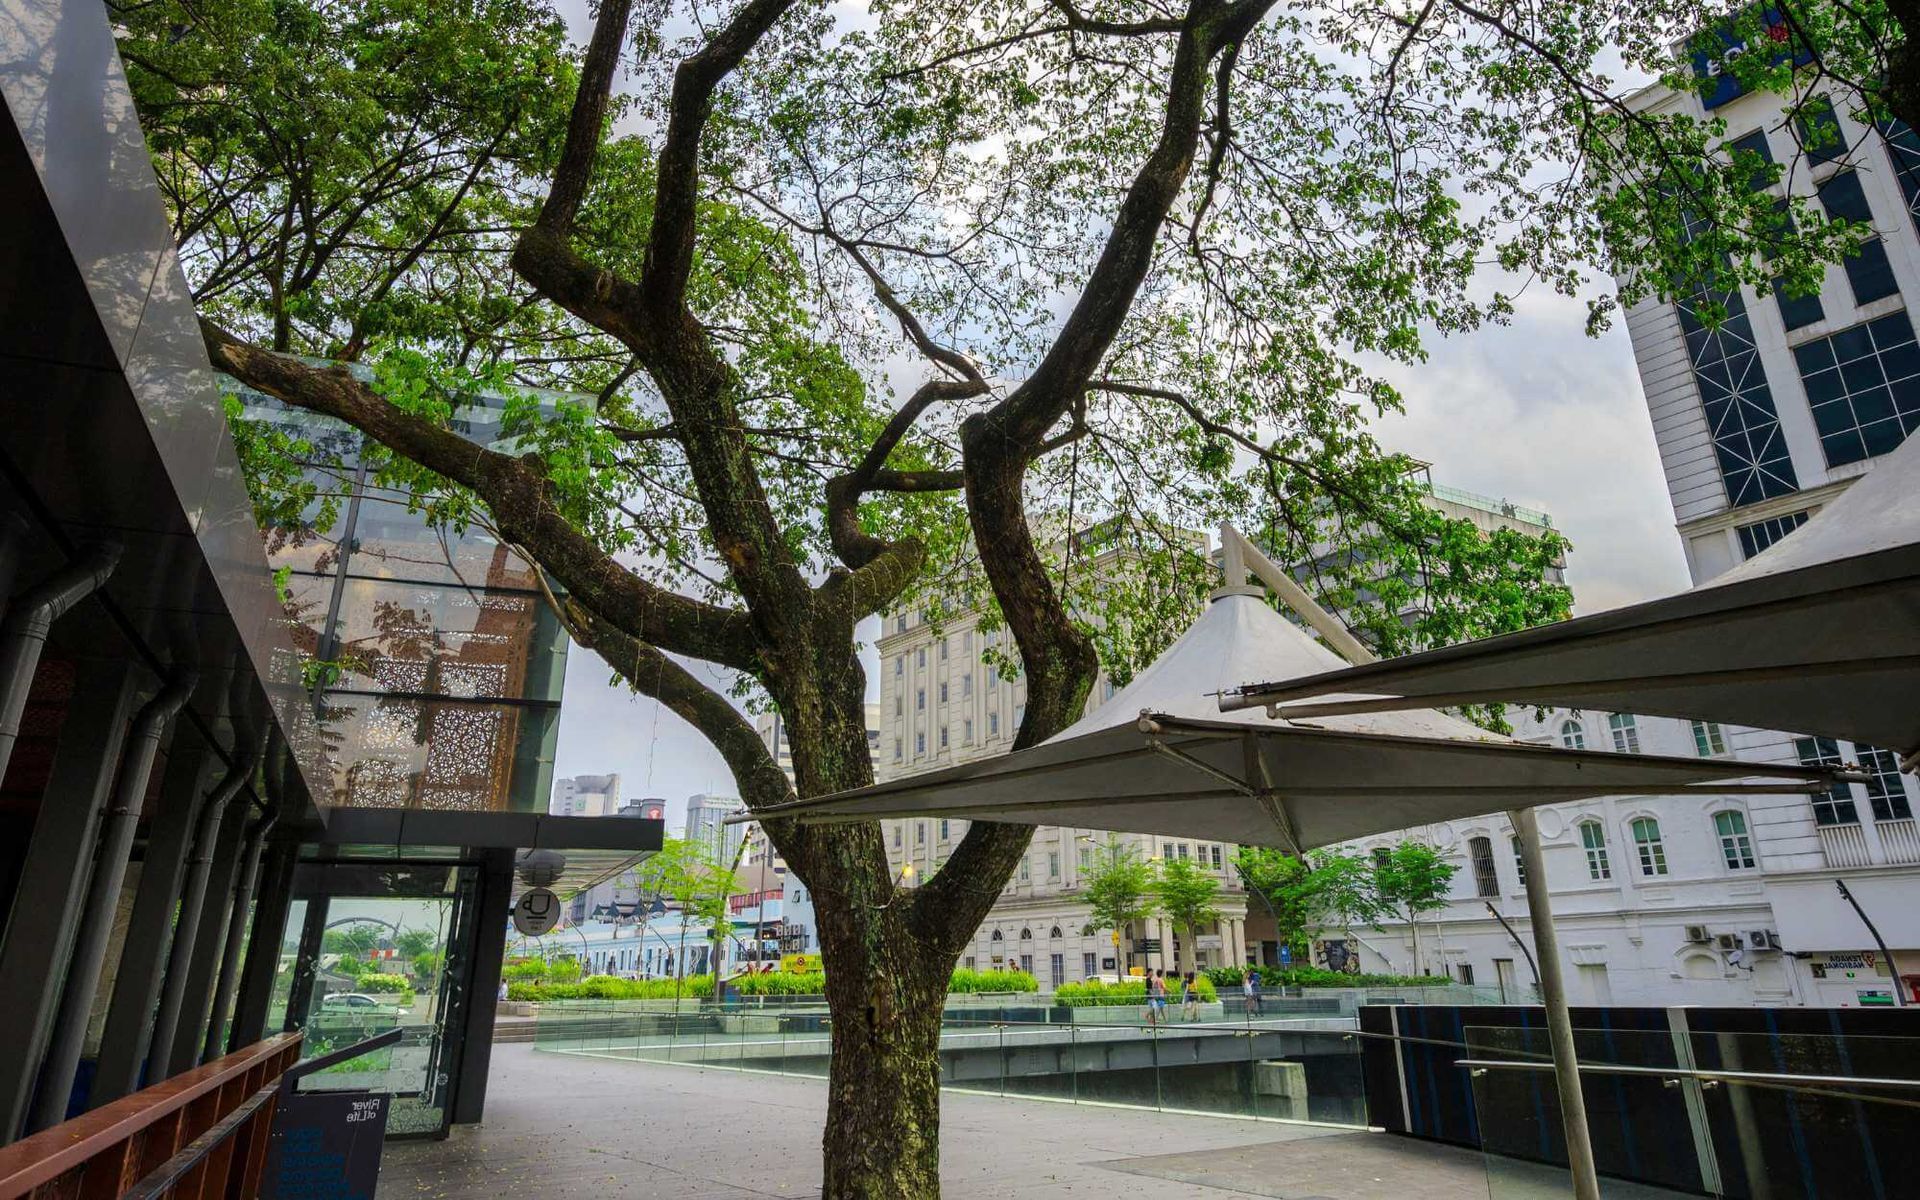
point(586, 796)
point(707, 822)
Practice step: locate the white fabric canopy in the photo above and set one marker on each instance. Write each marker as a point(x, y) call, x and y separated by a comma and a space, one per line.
point(1818, 634)
point(1156, 758)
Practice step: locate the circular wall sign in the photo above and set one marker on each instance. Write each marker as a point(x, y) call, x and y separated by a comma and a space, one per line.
point(537, 911)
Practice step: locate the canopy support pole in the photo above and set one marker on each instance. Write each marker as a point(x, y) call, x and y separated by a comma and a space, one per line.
point(1566, 1063)
point(1238, 554)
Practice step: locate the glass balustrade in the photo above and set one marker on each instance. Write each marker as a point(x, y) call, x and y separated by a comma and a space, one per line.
point(1278, 1065)
point(1747, 1115)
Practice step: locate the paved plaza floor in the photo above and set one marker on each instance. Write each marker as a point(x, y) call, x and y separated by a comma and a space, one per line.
point(559, 1126)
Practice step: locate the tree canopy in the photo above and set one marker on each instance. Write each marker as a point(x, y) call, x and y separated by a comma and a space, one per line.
point(864, 307)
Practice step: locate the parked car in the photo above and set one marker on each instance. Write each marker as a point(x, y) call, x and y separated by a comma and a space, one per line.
point(362, 1002)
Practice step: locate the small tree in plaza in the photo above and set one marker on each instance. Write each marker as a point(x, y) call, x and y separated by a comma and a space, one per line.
point(687, 872)
point(1189, 898)
point(1117, 889)
point(1409, 879)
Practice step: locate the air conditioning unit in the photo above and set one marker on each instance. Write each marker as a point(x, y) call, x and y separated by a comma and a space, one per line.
point(1728, 941)
point(1698, 933)
point(1763, 939)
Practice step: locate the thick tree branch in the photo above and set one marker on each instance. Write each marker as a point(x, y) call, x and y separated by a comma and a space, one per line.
point(589, 118)
point(949, 908)
point(655, 674)
point(855, 546)
point(516, 494)
point(677, 190)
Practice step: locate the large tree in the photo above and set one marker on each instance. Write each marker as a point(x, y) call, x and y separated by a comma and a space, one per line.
point(882, 305)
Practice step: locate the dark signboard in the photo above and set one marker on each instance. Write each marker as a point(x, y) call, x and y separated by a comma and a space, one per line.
point(325, 1146)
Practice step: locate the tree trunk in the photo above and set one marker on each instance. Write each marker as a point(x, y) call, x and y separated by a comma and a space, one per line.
point(1413, 922)
point(882, 1139)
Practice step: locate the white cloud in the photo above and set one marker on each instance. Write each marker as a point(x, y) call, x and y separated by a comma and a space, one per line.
point(1538, 413)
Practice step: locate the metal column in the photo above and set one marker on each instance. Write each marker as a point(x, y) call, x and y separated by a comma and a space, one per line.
point(469, 1097)
point(143, 960)
point(186, 927)
point(196, 996)
point(1566, 1063)
point(262, 963)
point(117, 826)
point(23, 635)
point(46, 907)
point(241, 909)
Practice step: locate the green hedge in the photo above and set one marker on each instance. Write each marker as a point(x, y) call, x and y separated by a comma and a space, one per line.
point(965, 980)
point(375, 982)
point(1115, 995)
point(780, 983)
point(1229, 977)
point(610, 987)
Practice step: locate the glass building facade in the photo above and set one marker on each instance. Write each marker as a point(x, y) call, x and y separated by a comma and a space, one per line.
point(439, 662)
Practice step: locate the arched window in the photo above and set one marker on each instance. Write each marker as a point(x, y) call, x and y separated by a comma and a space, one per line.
point(1735, 846)
point(1652, 850)
point(1485, 881)
point(1626, 734)
point(1572, 736)
point(1026, 935)
point(1593, 836)
point(1055, 932)
point(996, 936)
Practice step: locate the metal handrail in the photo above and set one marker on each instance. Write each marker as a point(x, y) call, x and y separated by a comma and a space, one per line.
point(1482, 1065)
point(346, 1054)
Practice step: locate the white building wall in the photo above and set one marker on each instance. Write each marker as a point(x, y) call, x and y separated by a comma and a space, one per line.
point(1633, 937)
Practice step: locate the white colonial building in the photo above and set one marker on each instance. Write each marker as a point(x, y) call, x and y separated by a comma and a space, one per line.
point(1663, 899)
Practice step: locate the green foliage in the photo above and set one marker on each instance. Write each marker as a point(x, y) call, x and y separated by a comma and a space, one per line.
point(1412, 878)
point(1188, 897)
point(379, 982)
point(1117, 887)
point(967, 981)
point(352, 941)
point(780, 983)
point(1096, 994)
point(1329, 890)
point(690, 875)
point(412, 943)
point(525, 970)
point(310, 154)
point(1320, 977)
point(611, 987)
point(564, 969)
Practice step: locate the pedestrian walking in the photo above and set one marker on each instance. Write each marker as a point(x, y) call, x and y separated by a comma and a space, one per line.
point(1251, 991)
point(1189, 997)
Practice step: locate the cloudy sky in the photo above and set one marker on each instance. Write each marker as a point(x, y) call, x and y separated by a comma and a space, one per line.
point(1535, 412)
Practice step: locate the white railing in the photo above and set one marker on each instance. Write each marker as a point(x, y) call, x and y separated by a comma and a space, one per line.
point(1845, 846)
point(1899, 840)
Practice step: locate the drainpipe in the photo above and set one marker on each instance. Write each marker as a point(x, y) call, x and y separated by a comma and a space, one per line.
point(117, 826)
point(193, 896)
point(23, 635)
point(242, 894)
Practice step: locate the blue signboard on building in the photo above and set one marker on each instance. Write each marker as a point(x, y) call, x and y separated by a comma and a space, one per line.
point(1714, 66)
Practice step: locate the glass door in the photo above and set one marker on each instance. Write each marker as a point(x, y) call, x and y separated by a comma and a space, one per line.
point(386, 946)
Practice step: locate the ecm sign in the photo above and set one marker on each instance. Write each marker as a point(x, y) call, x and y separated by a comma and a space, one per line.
point(536, 912)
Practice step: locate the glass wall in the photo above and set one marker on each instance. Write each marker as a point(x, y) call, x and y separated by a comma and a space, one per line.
point(437, 662)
